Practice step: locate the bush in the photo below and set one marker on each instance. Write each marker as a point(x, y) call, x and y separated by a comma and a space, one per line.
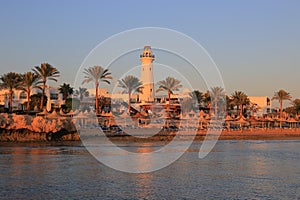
point(71, 104)
point(35, 100)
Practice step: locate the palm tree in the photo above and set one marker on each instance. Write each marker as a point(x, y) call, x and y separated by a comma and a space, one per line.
point(65, 90)
point(96, 74)
point(28, 82)
point(10, 81)
point(229, 104)
point(296, 105)
point(240, 99)
point(45, 72)
point(170, 85)
point(130, 84)
point(218, 98)
point(198, 96)
point(82, 92)
point(207, 101)
point(281, 95)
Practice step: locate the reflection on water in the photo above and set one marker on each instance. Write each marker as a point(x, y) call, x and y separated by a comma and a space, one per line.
point(233, 170)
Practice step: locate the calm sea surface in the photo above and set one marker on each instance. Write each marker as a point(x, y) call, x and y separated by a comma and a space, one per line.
point(233, 170)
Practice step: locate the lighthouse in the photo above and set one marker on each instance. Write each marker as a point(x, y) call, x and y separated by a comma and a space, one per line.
point(147, 58)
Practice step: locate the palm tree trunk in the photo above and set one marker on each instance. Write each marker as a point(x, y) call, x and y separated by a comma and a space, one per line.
point(241, 110)
point(28, 100)
point(96, 98)
point(43, 94)
point(280, 114)
point(169, 98)
point(10, 100)
point(210, 108)
point(216, 108)
point(129, 104)
point(65, 97)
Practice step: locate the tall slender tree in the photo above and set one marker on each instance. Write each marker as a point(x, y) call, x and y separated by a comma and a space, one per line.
point(10, 81)
point(130, 84)
point(240, 99)
point(218, 98)
point(28, 82)
point(170, 85)
point(207, 101)
point(96, 74)
point(281, 95)
point(45, 72)
point(65, 90)
point(296, 105)
point(198, 96)
point(82, 92)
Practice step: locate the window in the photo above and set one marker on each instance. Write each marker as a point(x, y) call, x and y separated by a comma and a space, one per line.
point(23, 95)
point(53, 96)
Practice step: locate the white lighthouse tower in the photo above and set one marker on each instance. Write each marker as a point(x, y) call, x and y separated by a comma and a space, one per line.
point(147, 58)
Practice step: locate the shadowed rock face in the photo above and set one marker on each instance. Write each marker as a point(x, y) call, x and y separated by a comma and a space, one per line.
point(28, 128)
point(25, 135)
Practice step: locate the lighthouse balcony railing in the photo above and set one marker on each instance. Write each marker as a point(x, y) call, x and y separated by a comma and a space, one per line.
point(150, 56)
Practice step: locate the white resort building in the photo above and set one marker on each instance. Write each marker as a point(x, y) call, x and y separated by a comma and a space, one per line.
point(20, 97)
point(262, 105)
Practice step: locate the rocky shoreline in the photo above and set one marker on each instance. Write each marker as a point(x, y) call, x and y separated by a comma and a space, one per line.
point(25, 135)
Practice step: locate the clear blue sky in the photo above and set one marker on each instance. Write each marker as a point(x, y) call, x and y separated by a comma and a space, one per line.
point(256, 44)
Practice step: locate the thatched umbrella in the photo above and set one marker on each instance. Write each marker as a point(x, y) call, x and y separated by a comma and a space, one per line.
point(107, 117)
point(202, 113)
point(241, 121)
point(292, 121)
point(70, 114)
point(53, 115)
point(81, 117)
point(122, 118)
point(43, 113)
point(61, 112)
point(228, 119)
point(280, 120)
point(202, 120)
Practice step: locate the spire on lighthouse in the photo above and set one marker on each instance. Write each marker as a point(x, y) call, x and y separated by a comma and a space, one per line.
point(147, 58)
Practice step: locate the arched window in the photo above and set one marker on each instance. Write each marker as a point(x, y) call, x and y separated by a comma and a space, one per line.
point(23, 95)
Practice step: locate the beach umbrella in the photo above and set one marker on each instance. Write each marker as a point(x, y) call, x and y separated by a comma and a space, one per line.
point(192, 113)
point(53, 115)
point(202, 113)
point(70, 114)
point(107, 116)
point(202, 120)
point(207, 117)
point(61, 112)
point(241, 121)
point(292, 121)
point(123, 118)
point(81, 117)
point(76, 112)
point(43, 113)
